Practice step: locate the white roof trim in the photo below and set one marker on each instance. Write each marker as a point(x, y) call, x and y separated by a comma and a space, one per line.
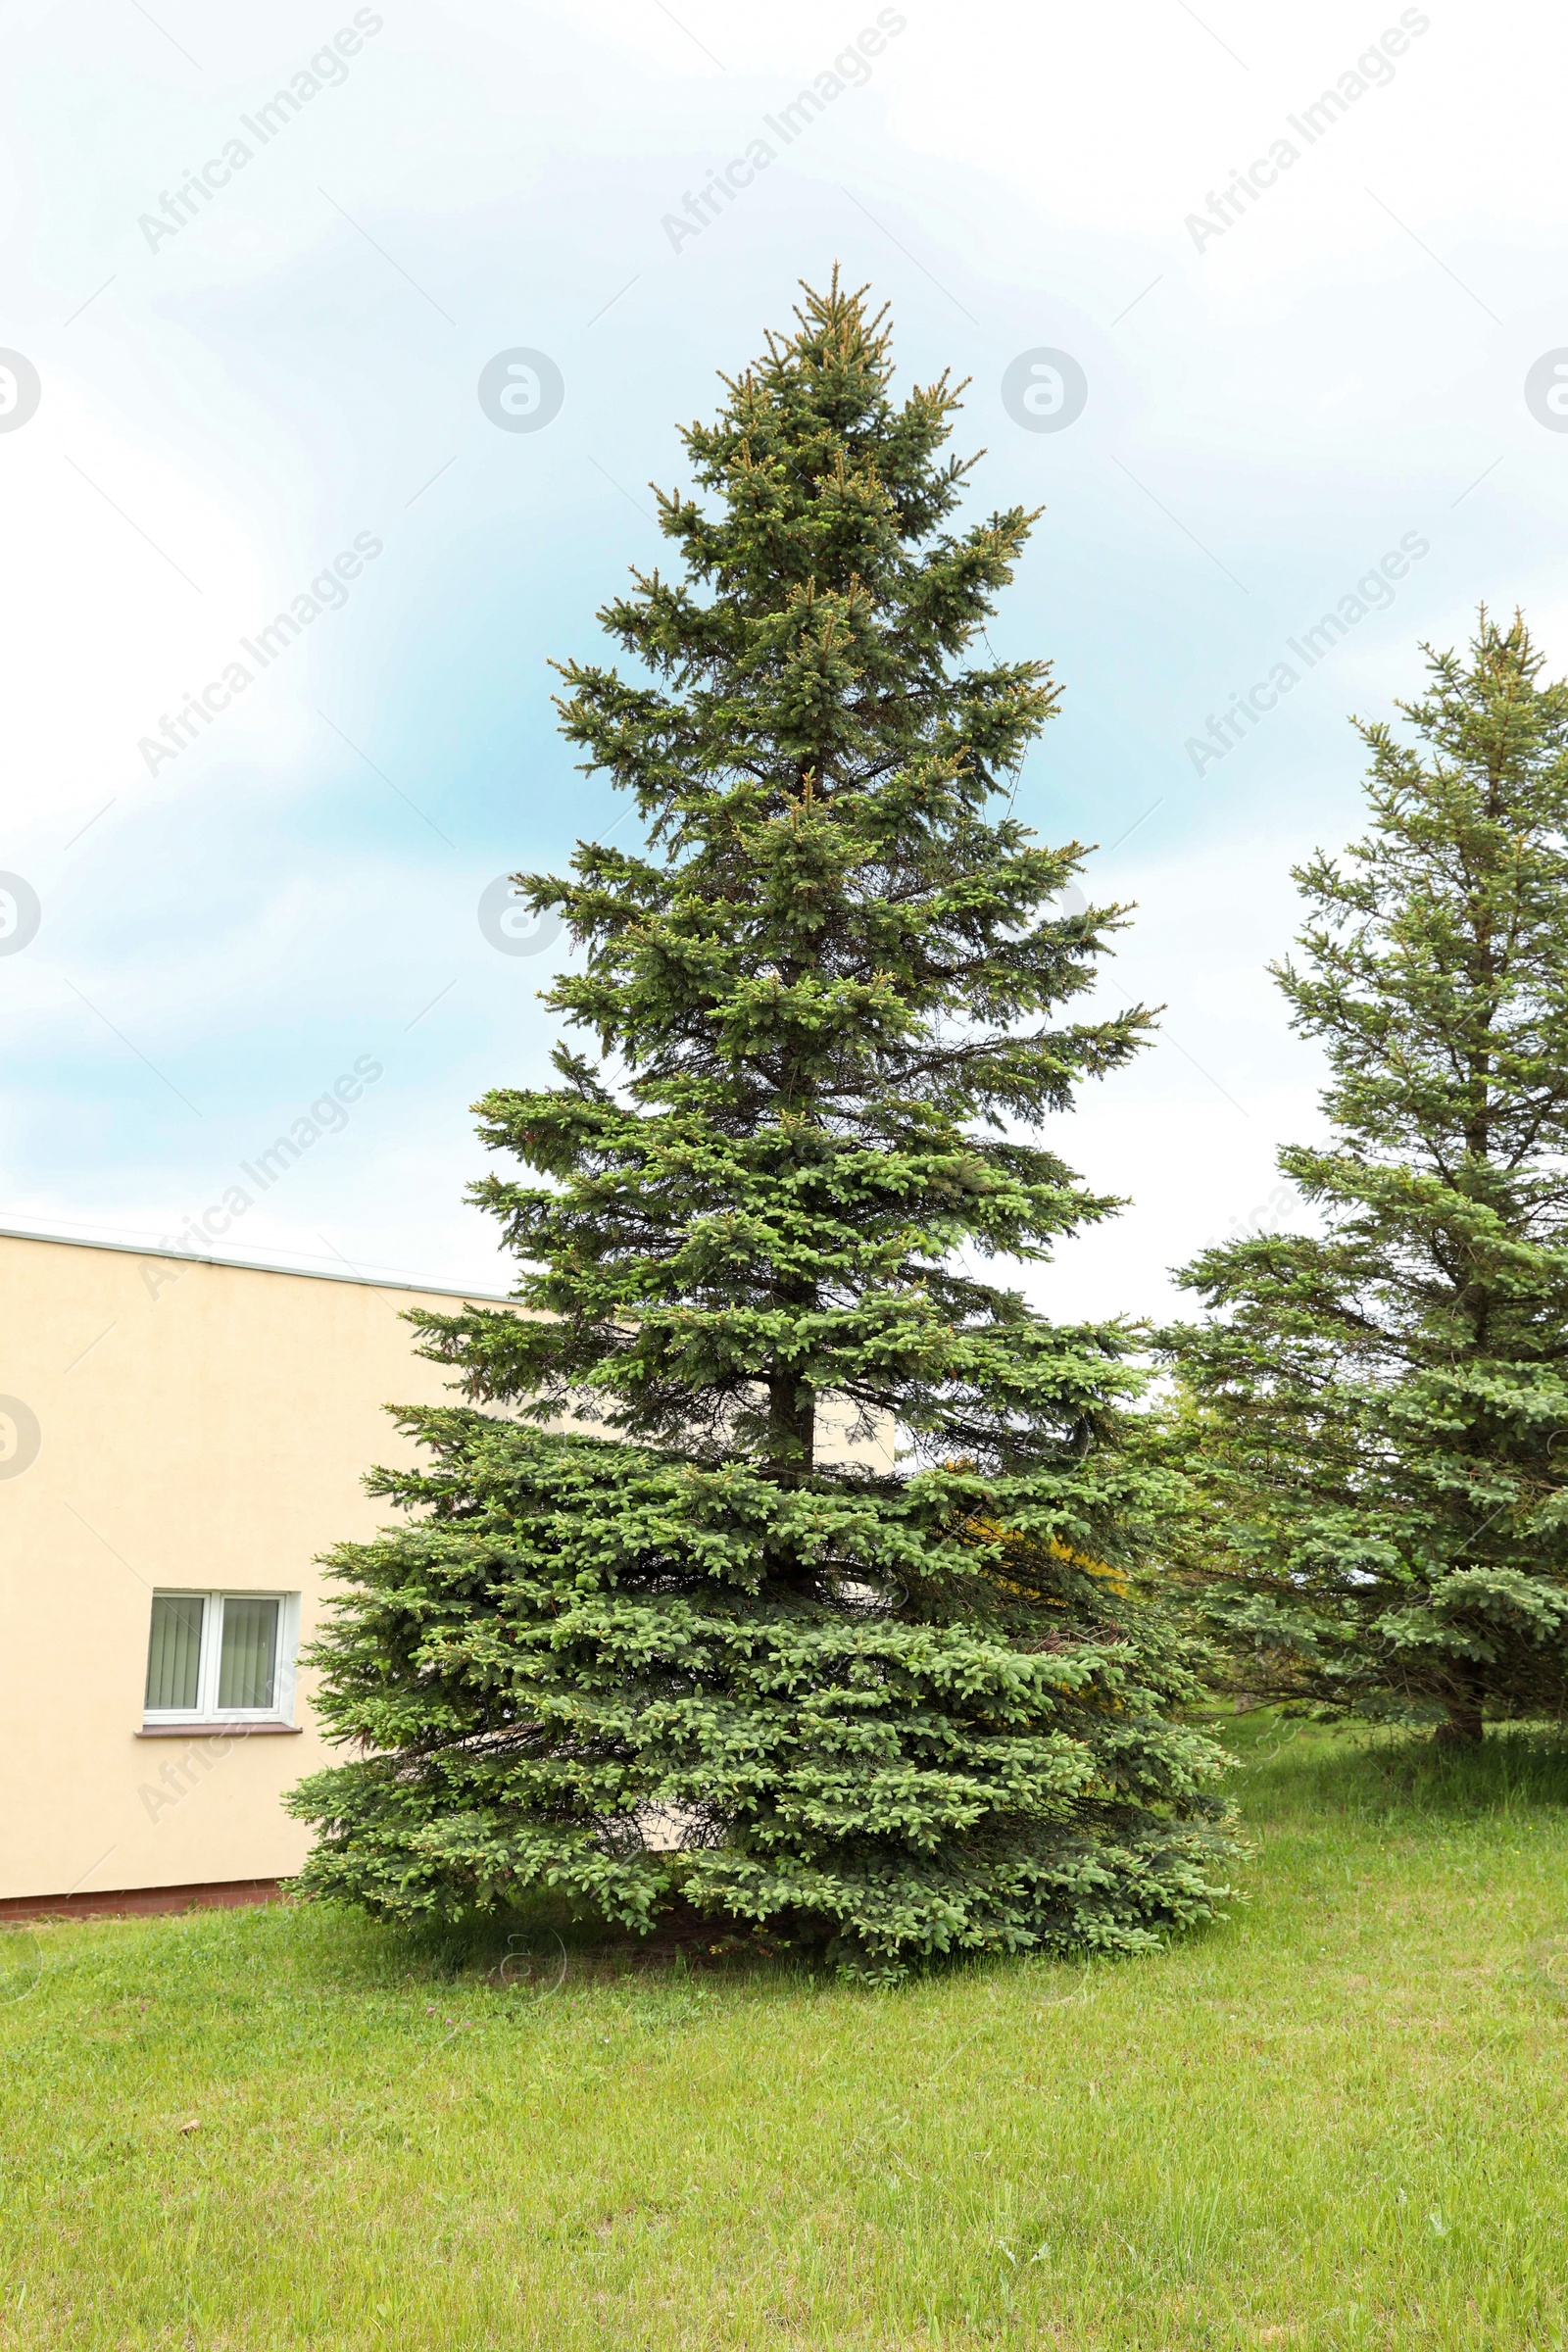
point(248, 1266)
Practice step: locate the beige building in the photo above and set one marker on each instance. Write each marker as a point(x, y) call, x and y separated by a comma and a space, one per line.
point(179, 1440)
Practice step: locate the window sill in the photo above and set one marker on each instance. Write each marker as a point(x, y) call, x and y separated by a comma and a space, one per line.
point(220, 1730)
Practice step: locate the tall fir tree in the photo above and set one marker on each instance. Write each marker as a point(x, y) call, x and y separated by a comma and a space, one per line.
point(1377, 1415)
point(675, 1624)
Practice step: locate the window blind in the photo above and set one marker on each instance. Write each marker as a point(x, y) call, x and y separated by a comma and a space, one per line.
point(174, 1652)
point(247, 1666)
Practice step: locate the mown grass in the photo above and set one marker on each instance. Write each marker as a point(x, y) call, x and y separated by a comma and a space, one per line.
point(1337, 2119)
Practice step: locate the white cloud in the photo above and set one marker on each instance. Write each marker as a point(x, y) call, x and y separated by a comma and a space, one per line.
point(1345, 363)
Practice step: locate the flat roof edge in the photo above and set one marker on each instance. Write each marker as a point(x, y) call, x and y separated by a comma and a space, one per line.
point(249, 1266)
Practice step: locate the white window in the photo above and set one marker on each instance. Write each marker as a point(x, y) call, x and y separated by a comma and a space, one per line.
point(221, 1658)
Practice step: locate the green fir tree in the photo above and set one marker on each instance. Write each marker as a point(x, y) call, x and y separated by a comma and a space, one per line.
point(674, 1625)
point(1376, 1416)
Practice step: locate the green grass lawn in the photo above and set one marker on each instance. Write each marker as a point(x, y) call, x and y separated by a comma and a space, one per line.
point(1337, 2119)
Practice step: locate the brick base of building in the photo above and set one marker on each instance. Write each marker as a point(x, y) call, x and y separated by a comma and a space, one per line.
point(136, 1901)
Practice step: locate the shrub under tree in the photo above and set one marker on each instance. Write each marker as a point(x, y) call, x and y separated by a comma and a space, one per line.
point(1376, 1416)
point(650, 1636)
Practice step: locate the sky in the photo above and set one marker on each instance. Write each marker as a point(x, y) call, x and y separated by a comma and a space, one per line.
point(1263, 306)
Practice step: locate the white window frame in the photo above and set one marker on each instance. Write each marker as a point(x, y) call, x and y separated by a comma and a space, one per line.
point(207, 1709)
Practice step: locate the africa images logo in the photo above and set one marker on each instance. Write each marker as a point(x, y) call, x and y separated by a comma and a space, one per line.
point(327, 70)
point(1373, 70)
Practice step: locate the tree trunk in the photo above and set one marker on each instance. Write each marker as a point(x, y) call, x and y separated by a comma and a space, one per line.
point(1463, 1728)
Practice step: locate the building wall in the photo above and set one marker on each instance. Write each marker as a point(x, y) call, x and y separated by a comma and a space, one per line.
point(201, 1426)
